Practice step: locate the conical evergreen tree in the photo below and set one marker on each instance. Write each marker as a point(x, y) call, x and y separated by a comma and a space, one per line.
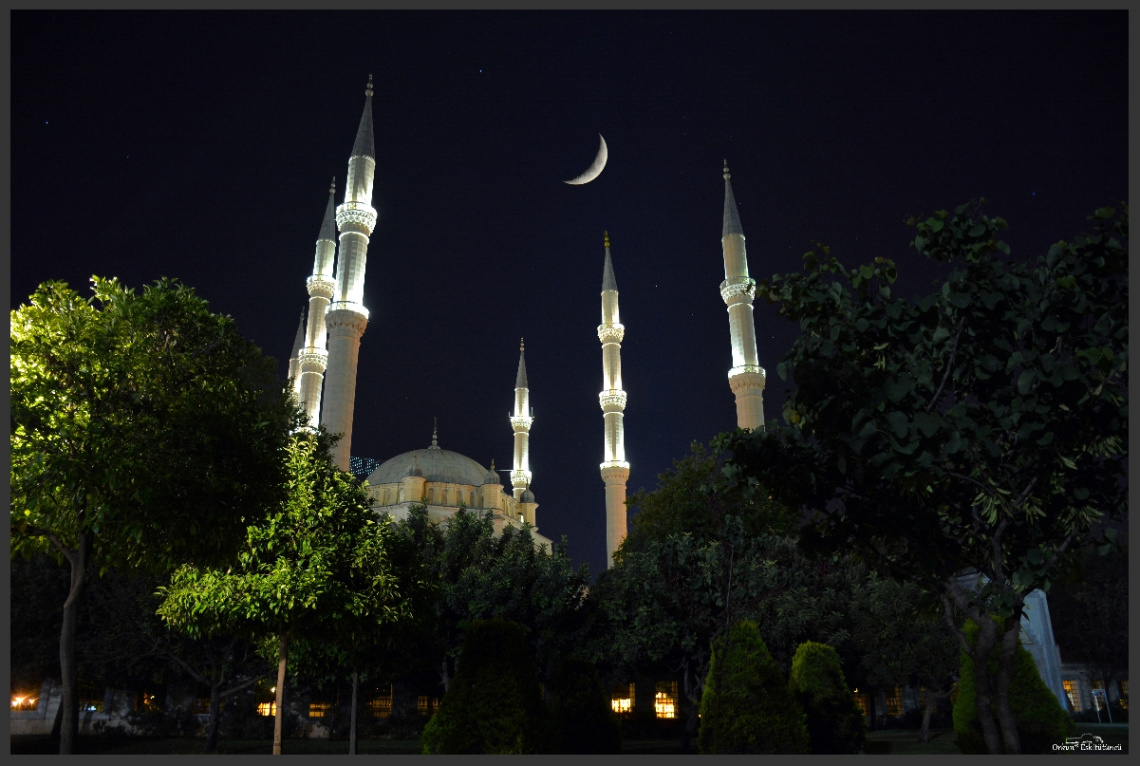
point(834, 720)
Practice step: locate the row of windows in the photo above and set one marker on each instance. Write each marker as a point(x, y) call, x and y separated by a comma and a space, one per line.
point(1073, 692)
point(379, 706)
point(665, 699)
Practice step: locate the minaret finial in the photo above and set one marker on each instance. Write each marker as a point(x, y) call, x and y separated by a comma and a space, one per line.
point(332, 186)
point(522, 345)
point(368, 89)
point(607, 237)
point(727, 175)
point(434, 433)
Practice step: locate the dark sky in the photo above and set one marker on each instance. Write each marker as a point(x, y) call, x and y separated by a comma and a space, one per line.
point(201, 145)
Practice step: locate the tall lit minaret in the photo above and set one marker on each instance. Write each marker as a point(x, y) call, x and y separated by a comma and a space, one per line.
point(294, 360)
point(347, 317)
point(314, 357)
point(521, 419)
point(746, 378)
point(615, 470)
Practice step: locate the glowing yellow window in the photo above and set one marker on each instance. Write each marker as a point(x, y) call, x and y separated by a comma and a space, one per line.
point(426, 705)
point(267, 708)
point(380, 705)
point(622, 699)
point(862, 701)
point(665, 700)
point(319, 709)
point(1073, 692)
point(895, 702)
point(23, 702)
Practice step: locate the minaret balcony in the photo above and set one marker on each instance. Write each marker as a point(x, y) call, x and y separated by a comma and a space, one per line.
point(521, 422)
point(747, 376)
point(356, 215)
point(611, 332)
point(613, 400)
point(733, 288)
point(321, 287)
point(351, 306)
point(615, 471)
point(520, 478)
point(315, 357)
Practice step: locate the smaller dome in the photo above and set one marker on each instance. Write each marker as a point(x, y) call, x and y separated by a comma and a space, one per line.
point(492, 477)
point(527, 496)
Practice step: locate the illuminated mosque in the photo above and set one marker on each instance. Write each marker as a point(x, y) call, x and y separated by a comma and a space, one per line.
point(323, 367)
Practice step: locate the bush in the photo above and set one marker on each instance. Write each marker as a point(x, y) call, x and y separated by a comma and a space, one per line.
point(493, 704)
point(834, 720)
point(746, 706)
point(1041, 721)
point(582, 712)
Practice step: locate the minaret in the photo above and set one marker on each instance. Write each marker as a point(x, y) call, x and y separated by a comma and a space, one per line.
point(521, 419)
point(294, 360)
point(314, 357)
point(347, 317)
point(615, 471)
point(746, 378)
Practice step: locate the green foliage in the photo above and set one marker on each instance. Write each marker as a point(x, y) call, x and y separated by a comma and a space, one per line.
point(746, 706)
point(142, 421)
point(493, 704)
point(1041, 721)
point(582, 711)
point(834, 720)
point(478, 576)
point(981, 427)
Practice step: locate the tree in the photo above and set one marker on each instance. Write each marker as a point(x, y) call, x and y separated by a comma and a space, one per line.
point(493, 705)
point(1042, 722)
point(319, 558)
point(834, 721)
point(481, 576)
point(746, 706)
point(582, 710)
point(977, 429)
point(145, 432)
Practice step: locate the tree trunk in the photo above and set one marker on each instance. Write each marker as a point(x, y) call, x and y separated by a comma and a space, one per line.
point(352, 715)
point(983, 699)
point(1009, 734)
point(282, 656)
point(924, 733)
point(215, 706)
point(444, 678)
point(68, 664)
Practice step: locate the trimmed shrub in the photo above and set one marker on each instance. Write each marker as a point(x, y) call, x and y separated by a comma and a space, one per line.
point(746, 706)
point(1041, 721)
point(582, 710)
point(493, 704)
point(834, 720)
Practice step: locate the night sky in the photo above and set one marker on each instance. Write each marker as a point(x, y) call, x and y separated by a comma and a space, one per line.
point(201, 145)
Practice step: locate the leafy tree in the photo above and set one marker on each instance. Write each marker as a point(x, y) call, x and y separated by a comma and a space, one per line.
point(145, 432)
point(493, 704)
point(582, 709)
point(319, 558)
point(481, 576)
point(1041, 720)
point(980, 428)
point(746, 706)
point(834, 720)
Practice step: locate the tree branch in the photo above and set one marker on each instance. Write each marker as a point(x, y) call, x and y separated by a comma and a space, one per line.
point(949, 365)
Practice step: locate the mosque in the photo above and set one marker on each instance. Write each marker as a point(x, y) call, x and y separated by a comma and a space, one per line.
point(324, 362)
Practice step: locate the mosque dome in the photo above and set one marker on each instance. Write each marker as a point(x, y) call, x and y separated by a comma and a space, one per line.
point(527, 496)
point(435, 465)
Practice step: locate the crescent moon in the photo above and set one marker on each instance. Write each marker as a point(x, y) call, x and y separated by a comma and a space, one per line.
point(594, 170)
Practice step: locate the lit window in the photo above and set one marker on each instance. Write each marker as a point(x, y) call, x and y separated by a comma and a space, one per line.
point(147, 702)
point(863, 701)
point(1072, 691)
point(426, 705)
point(665, 701)
point(380, 704)
point(319, 709)
point(622, 699)
point(267, 709)
point(894, 702)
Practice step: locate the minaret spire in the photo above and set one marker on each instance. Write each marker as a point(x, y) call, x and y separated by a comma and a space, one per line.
point(294, 359)
point(313, 358)
point(521, 418)
point(615, 469)
point(746, 377)
point(347, 317)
